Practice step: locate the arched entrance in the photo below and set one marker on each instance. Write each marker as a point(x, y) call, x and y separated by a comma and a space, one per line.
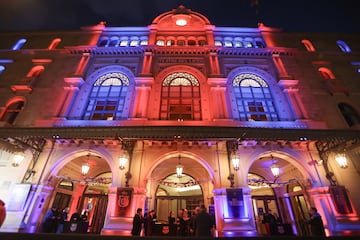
point(283, 196)
point(176, 193)
point(168, 192)
point(86, 194)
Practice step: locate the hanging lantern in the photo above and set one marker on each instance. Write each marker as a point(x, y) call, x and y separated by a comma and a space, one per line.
point(179, 168)
point(235, 162)
point(275, 170)
point(17, 159)
point(341, 160)
point(85, 169)
point(122, 162)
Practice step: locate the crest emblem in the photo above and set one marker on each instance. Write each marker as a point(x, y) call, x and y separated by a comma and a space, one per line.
point(165, 230)
point(124, 200)
point(73, 227)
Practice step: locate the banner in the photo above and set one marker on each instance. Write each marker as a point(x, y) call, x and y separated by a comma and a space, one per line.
point(123, 201)
point(235, 202)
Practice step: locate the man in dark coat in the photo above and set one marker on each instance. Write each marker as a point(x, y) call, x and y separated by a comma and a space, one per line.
point(137, 223)
point(203, 223)
point(316, 223)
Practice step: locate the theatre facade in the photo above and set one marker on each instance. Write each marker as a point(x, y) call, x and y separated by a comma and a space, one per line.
point(177, 114)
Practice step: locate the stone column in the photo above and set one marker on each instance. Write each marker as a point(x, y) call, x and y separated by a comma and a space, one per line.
point(234, 213)
point(122, 206)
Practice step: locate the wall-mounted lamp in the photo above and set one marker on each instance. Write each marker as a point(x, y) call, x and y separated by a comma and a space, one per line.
point(122, 162)
point(85, 169)
point(341, 160)
point(17, 159)
point(179, 168)
point(235, 160)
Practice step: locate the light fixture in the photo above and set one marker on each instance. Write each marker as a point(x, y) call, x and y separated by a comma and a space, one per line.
point(181, 22)
point(341, 160)
point(122, 162)
point(274, 168)
point(85, 169)
point(181, 19)
point(235, 160)
point(17, 159)
point(179, 168)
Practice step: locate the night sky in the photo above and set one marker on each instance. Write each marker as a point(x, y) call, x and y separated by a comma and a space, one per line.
point(289, 15)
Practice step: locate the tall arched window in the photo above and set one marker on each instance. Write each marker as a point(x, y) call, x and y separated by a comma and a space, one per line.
point(253, 98)
point(326, 73)
point(19, 44)
point(343, 46)
point(308, 45)
point(54, 43)
point(180, 97)
point(107, 97)
point(12, 111)
point(350, 114)
point(35, 72)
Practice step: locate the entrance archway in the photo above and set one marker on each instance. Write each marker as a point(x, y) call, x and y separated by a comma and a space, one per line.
point(284, 195)
point(167, 192)
point(176, 193)
point(84, 194)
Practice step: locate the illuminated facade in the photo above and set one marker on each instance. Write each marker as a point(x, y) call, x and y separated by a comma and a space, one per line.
point(218, 105)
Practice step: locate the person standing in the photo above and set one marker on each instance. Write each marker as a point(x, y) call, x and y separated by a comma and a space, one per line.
point(137, 223)
point(150, 222)
point(271, 224)
point(192, 221)
point(62, 220)
point(316, 223)
point(203, 223)
point(49, 220)
point(2, 212)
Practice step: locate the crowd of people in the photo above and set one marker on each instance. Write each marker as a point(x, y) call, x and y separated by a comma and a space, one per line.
point(197, 223)
point(55, 219)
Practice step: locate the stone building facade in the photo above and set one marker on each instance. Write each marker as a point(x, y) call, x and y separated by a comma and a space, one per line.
point(136, 103)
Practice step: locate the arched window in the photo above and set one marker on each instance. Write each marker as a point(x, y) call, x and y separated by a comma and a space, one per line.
point(107, 97)
point(349, 113)
point(114, 42)
point(103, 42)
point(308, 45)
point(326, 73)
point(343, 46)
point(12, 111)
point(35, 72)
point(253, 98)
point(180, 97)
point(54, 43)
point(2, 69)
point(19, 44)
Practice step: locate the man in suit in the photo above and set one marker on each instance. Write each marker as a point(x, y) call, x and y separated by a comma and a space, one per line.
point(137, 223)
point(203, 223)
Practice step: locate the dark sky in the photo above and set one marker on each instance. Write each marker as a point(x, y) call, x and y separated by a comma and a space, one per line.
point(289, 15)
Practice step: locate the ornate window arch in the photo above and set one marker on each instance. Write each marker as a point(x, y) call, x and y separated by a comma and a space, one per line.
point(180, 97)
point(12, 110)
point(254, 101)
point(107, 98)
